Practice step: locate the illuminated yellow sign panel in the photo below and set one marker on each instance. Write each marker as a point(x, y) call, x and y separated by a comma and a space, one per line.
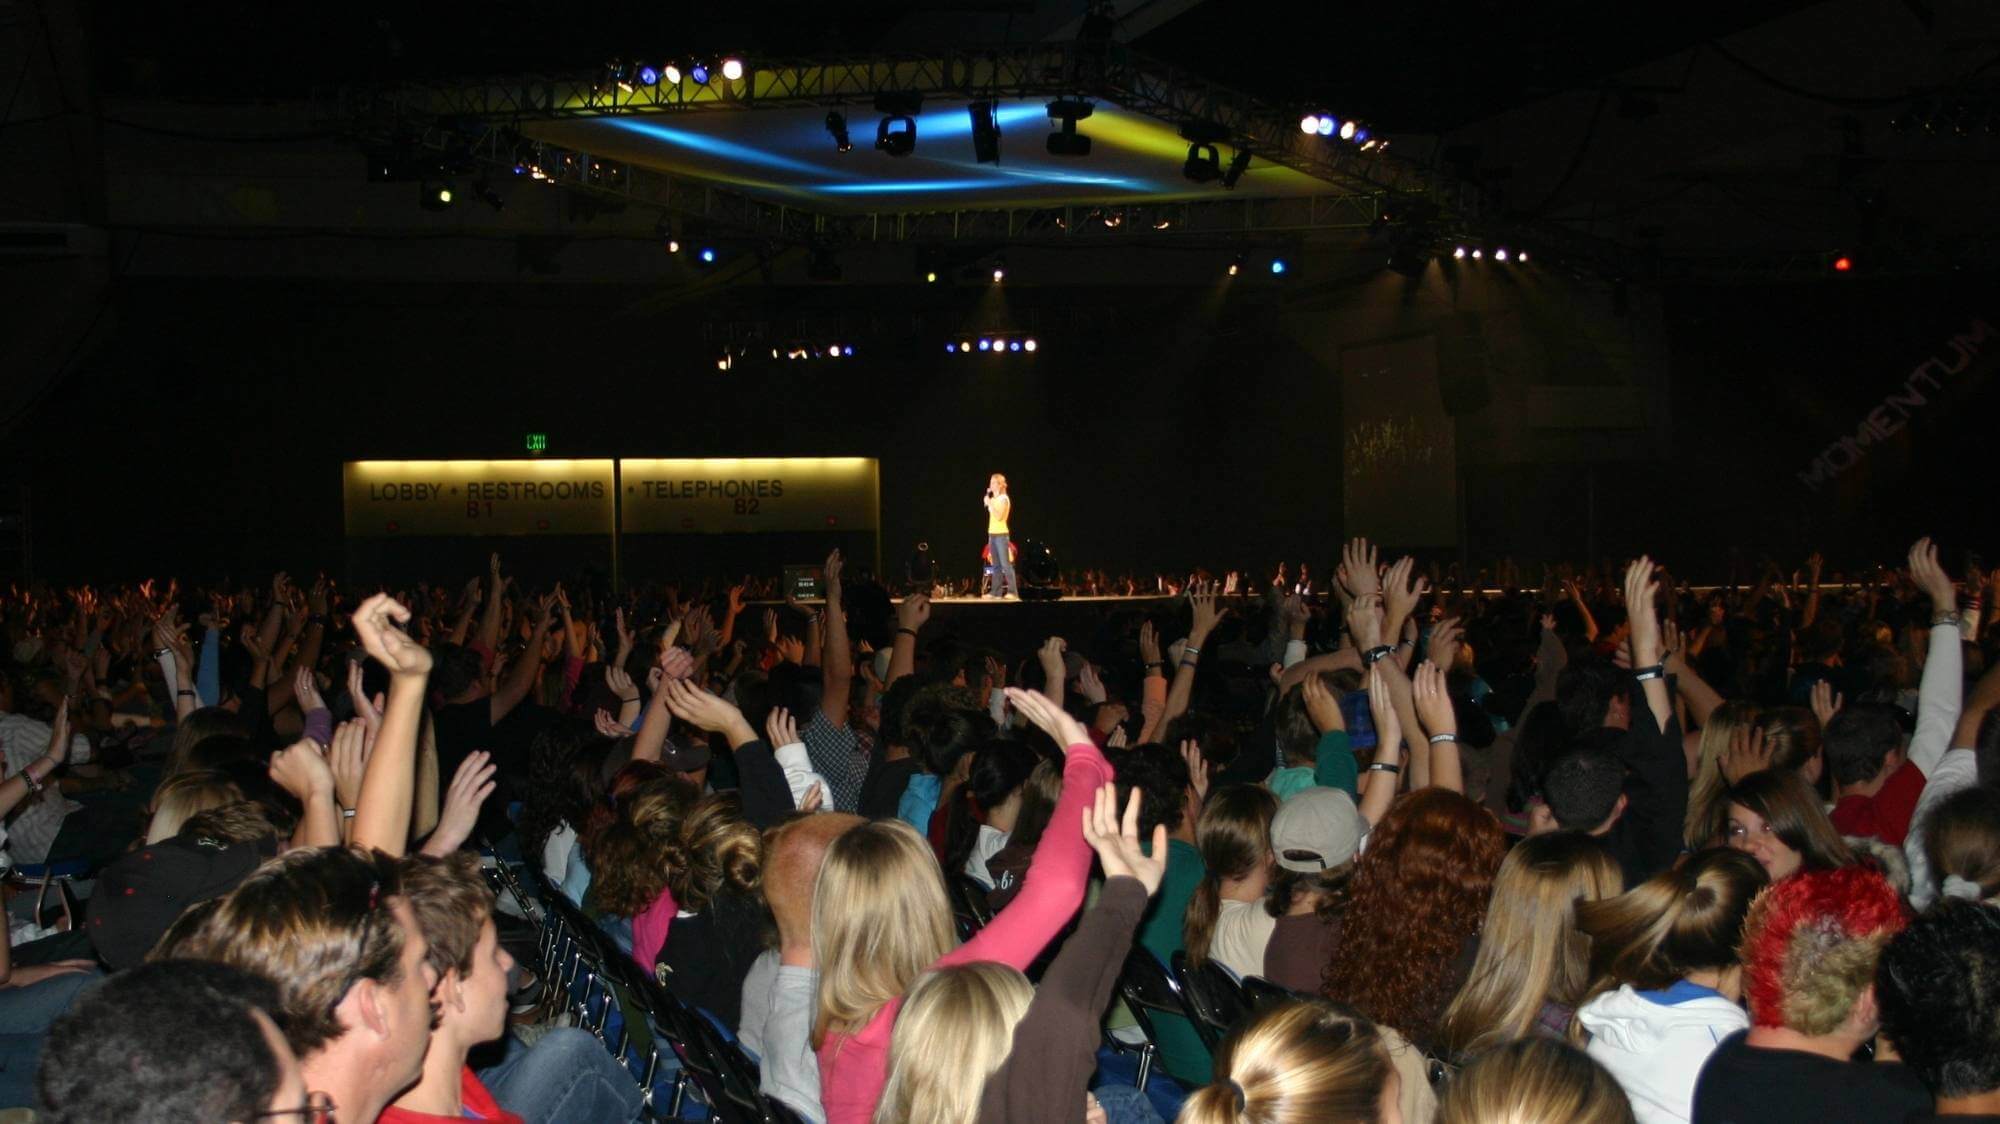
point(528, 497)
point(712, 496)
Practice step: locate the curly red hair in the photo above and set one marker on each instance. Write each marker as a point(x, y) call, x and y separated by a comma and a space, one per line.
point(1810, 944)
point(1419, 893)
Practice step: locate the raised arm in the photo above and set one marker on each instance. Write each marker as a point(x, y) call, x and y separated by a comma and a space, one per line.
point(1380, 781)
point(836, 664)
point(1644, 617)
point(1440, 727)
point(488, 639)
point(911, 616)
point(1940, 694)
point(527, 667)
point(1207, 614)
point(382, 817)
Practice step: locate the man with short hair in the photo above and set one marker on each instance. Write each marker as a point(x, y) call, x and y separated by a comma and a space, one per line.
point(331, 928)
point(1809, 953)
point(1875, 784)
point(175, 1040)
point(1936, 985)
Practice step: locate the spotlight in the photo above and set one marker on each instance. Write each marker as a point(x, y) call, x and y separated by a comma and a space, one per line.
point(999, 270)
point(964, 346)
point(435, 195)
point(1309, 124)
point(950, 349)
point(1361, 137)
point(898, 109)
point(699, 72)
point(673, 245)
point(847, 350)
point(930, 277)
point(1028, 345)
point(1277, 265)
point(1347, 129)
point(1478, 254)
point(1238, 164)
point(1204, 164)
point(1843, 264)
point(1500, 254)
point(1523, 257)
point(707, 255)
point(1236, 266)
point(836, 126)
point(1459, 253)
point(649, 75)
point(985, 133)
point(671, 73)
point(620, 74)
point(1014, 346)
point(985, 345)
point(732, 69)
point(1325, 125)
point(1067, 141)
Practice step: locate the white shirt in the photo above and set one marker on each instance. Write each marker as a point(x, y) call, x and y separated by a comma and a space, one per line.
point(1940, 696)
point(990, 840)
point(1242, 931)
point(39, 818)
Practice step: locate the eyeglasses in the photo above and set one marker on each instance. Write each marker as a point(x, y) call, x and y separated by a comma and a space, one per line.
point(318, 1109)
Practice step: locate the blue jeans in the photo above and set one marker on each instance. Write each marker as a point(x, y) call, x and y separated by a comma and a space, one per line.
point(1003, 569)
point(25, 1015)
point(1125, 1104)
point(567, 1077)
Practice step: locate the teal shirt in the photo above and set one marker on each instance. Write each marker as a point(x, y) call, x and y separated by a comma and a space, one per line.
point(1161, 933)
point(1335, 765)
point(1290, 781)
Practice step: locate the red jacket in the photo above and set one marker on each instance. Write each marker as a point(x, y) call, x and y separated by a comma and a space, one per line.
point(479, 1105)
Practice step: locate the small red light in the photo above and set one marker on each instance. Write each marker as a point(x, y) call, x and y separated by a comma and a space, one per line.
point(1842, 264)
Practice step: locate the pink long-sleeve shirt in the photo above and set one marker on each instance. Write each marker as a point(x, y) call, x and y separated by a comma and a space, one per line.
point(649, 929)
point(853, 1068)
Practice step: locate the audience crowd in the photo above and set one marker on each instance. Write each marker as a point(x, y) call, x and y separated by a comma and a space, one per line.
point(1400, 850)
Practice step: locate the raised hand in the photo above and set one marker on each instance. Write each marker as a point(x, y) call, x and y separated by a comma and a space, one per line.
point(676, 663)
point(1400, 592)
point(710, 712)
point(1446, 636)
point(832, 571)
point(300, 770)
point(347, 759)
point(791, 649)
point(1197, 767)
point(1382, 708)
point(1117, 841)
point(814, 798)
point(1641, 587)
point(1747, 754)
point(1321, 705)
point(781, 728)
point(1116, 739)
point(1051, 658)
point(376, 623)
point(1048, 717)
point(1149, 645)
point(1090, 685)
point(914, 612)
point(1826, 702)
point(1931, 578)
point(305, 685)
point(1358, 567)
point(771, 626)
point(369, 713)
point(1207, 612)
point(620, 682)
point(1433, 700)
point(470, 787)
point(609, 727)
point(1364, 620)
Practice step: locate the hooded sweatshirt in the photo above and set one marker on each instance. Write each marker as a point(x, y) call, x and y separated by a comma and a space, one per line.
point(1654, 1043)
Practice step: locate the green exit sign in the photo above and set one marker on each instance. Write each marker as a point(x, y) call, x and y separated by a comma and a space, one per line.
point(538, 442)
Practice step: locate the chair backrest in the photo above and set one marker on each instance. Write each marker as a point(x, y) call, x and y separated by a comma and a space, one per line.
point(1213, 992)
point(1148, 989)
point(968, 904)
point(1261, 993)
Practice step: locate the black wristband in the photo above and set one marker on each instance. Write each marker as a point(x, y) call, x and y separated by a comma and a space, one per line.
point(1657, 671)
point(909, 632)
point(1370, 657)
point(1383, 767)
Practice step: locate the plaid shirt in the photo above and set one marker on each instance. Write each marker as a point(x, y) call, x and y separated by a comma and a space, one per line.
point(837, 753)
point(36, 822)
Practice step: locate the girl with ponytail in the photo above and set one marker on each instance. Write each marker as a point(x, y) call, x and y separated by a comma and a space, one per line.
point(1667, 986)
point(1226, 920)
point(983, 811)
point(1299, 1062)
point(713, 872)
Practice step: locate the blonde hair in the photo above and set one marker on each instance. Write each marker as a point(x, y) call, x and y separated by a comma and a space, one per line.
point(879, 921)
point(953, 1031)
point(1708, 794)
point(1534, 1081)
point(1234, 836)
point(1299, 1061)
point(184, 795)
point(714, 847)
point(1530, 951)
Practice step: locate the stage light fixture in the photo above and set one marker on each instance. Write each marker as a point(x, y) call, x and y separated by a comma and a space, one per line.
point(1325, 125)
point(1236, 266)
point(898, 109)
point(435, 195)
point(847, 350)
point(699, 72)
point(620, 74)
point(1347, 128)
point(950, 349)
point(985, 345)
point(1204, 164)
point(1277, 265)
point(1014, 345)
point(985, 133)
point(649, 75)
point(1309, 124)
point(1066, 141)
point(1238, 164)
point(1522, 257)
point(732, 69)
point(1361, 137)
point(1843, 264)
point(964, 346)
point(999, 270)
point(1478, 254)
point(707, 255)
point(673, 245)
point(671, 74)
point(1459, 253)
point(836, 127)
point(1500, 254)
point(1028, 345)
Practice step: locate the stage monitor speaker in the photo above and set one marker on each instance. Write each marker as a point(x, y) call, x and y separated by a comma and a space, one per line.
point(1041, 578)
point(1461, 365)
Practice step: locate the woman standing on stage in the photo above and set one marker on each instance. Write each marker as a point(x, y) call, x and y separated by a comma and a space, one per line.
point(998, 508)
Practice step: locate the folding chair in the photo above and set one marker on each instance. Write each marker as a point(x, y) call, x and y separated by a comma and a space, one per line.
point(1261, 993)
point(968, 905)
point(1148, 990)
point(1212, 991)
